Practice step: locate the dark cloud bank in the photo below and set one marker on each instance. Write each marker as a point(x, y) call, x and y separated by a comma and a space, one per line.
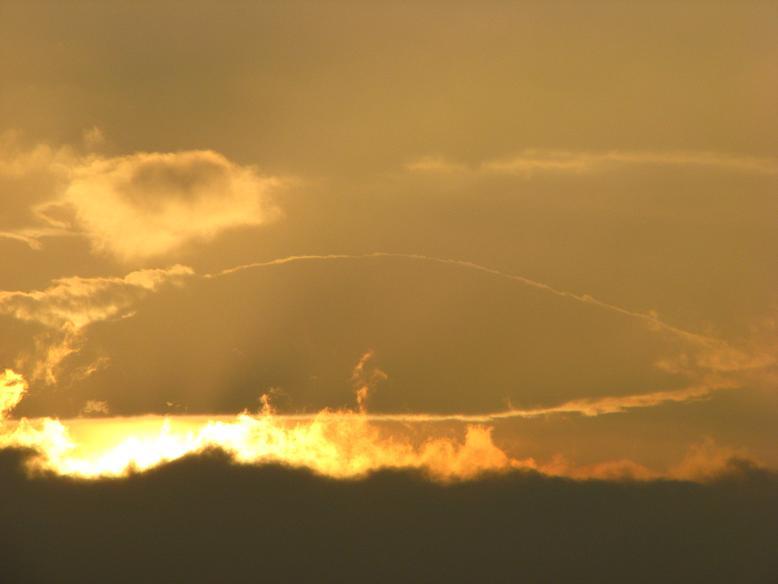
point(203, 519)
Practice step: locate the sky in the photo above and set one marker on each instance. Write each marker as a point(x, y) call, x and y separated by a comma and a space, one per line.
point(451, 250)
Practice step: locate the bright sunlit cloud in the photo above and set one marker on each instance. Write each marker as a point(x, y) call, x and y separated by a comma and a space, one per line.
point(137, 206)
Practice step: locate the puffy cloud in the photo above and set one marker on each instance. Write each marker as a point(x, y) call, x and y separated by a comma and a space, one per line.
point(148, 204)
point(131, 207)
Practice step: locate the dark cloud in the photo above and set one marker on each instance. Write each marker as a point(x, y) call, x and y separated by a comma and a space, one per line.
point(203, 519)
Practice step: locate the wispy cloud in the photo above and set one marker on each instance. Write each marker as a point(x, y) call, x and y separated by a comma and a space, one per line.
point(649, 318)
point(95, 406)
point(69, 305)
point(710, 363)
point(76, 302)
point(12, 390)
point(589, 407)
point(528, 163)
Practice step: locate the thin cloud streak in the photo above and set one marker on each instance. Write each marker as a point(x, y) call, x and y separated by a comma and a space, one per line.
point(649, 318)
point(589, 407)
point(533, 161)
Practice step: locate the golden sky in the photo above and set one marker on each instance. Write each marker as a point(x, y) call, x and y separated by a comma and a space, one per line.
point(384, 291)
point(547, 226)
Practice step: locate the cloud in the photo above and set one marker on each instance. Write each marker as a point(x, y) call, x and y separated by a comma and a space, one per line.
point(528, 163)
point(436, 165)
point(149, 204)
point(130, 207)
point(93, 137)
point(716, 354)
point(589, 407)
point(751, 362)
point(71, 304)
point(344, 444)
point(501, 528)
point(94, 406)
point(708, 461)
point(339, 444)
point(703, 462)
point(650, 318)
point(618, 404)
point(32, 236)
point(18, 160)
point(30, 179)
point(711, 363)
point(365, 380)
point(12, 390)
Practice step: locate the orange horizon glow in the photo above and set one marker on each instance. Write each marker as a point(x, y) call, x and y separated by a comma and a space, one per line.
point(340, 444)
